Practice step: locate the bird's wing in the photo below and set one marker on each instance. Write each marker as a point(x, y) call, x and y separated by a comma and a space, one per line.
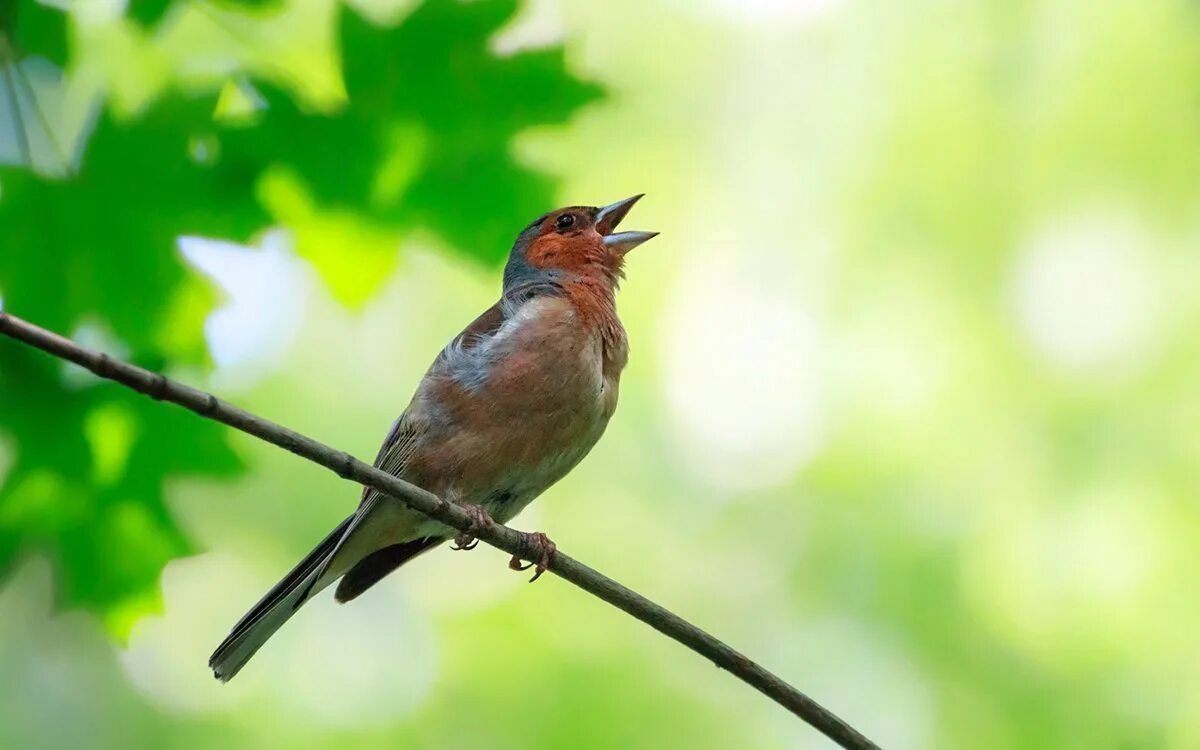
point(493, 319)
point(397, 447)
point(470, 356)
point(404, 437)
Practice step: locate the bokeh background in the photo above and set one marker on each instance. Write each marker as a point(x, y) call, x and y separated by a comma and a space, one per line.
point(912, 415)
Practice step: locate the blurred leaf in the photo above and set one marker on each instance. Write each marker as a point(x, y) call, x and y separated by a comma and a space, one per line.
point(425, 140)
point(100, 517)
point(112, 229)
point(239, 103)
point(426, 137)
point(32, 28)
point(30, 34)
point(150, 12)
point(87, 485)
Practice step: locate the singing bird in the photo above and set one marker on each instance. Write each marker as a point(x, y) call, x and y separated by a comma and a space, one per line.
point(508, 408)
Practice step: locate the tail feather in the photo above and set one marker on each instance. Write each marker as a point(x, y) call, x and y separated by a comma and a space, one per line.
point(372, 568)
point(274, 609)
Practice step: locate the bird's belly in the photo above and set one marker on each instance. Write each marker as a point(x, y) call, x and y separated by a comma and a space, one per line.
point(537, 415)
point(522, 482)
point(505, 467)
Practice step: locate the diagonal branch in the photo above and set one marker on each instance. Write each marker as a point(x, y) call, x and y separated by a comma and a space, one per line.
point(669, 624)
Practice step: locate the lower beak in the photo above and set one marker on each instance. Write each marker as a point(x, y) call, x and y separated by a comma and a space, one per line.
point(623, 242)
point(609, 217)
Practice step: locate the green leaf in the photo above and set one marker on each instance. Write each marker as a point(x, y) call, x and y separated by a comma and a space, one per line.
point(32, 28)
point(87, 484)
point(101, 518)
point(425, 139)
point(104, 242)
point(150, 12)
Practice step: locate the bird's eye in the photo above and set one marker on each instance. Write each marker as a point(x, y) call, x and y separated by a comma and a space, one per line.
point(564, 221)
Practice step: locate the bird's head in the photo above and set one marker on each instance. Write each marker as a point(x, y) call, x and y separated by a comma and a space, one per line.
point(574, 241)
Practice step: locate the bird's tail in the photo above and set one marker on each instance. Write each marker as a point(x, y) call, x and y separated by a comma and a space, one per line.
point(277, 607)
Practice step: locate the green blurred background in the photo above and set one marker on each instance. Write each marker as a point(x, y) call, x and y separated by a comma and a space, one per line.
point(912, 414)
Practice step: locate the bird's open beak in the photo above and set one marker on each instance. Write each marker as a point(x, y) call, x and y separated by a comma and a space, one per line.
point(610, 216)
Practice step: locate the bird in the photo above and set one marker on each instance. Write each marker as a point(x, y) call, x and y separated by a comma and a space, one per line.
point(509, 407)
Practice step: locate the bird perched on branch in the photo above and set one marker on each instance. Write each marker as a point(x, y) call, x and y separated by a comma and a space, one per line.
point(510, 406)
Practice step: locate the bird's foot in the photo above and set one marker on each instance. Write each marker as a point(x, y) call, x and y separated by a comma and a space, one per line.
point(480, 519)
point(542, 554)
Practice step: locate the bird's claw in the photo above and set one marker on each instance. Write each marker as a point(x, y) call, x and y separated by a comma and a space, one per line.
point(545, 550)
point(465, 540)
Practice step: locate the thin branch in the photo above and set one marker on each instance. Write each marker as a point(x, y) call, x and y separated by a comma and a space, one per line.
point(344, 465)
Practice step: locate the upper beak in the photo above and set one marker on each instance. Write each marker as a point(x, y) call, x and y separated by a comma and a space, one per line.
point(610, 216)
